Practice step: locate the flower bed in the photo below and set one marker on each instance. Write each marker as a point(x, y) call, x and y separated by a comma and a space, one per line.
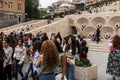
point(86, 72)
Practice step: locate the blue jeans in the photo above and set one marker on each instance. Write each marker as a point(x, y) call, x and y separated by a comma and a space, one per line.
point(29, 68)
point(26, 44)
point(34, 75)
point(70, 69)
point(18, 69)
point(47, 77)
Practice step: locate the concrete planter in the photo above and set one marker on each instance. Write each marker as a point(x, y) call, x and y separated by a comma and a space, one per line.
point(83, 73)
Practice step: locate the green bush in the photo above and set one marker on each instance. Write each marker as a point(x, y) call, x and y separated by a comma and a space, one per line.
point(83, 63)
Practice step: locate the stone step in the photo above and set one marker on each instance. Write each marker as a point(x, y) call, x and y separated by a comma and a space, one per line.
point(38, 23)
point(102, 46)
point(18, 25)
point(99, 50)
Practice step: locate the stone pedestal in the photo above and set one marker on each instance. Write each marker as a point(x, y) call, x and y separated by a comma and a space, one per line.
point(88, 73)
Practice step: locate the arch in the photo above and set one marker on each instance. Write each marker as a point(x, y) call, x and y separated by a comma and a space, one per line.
point(114, 20)
point(89, 31)
point(82, 21)
point(98, 20)
point(107, 32)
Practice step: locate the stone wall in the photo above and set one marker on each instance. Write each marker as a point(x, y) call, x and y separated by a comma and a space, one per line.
point(86, 24)
point(61, 26)
point(8, 19)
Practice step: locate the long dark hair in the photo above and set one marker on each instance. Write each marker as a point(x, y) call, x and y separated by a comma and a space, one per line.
point(72, 45)
point(2, 53)
point(37, 45)
point(59, 36)
point(7, 40)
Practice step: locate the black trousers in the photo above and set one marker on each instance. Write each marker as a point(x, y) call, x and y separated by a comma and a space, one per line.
point(7, 72)
point(1, 71)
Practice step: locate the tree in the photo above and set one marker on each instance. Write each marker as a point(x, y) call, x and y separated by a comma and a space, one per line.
point(31, 8)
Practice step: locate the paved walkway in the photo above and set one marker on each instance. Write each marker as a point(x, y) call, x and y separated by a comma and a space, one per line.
point(99, 59)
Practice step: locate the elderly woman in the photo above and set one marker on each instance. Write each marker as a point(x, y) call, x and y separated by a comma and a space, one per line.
point(113, 66)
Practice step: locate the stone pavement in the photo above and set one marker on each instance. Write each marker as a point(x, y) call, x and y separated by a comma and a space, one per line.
point(97, 58)
point(100, 59)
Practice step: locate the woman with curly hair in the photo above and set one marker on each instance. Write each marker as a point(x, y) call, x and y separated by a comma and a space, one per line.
point(48, 60)
point(113, 66)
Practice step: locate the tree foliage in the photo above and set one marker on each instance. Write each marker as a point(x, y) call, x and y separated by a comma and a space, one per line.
point(31, 8)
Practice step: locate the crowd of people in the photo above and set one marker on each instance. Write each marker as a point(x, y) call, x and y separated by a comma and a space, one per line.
point(46, 57)
point(102, 7)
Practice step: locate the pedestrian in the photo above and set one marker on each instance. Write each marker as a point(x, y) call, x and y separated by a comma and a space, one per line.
point(70, 55)
point(2, 57)
point(19, 57)
point(25, 38)
point(113, 65)
point(30, 63)
point(36, 50)
point(48, 60)
point(98, 35)
point(54, 39)
point(83, 49)
point(59, 38)
point(8, 61)
point(44, 37)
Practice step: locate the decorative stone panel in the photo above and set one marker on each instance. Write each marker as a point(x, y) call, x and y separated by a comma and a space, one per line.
point(98, 20)
point(107, 32)
point(89, 31)
point(82, 22)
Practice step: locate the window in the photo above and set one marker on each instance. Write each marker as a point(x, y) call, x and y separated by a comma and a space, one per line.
point(11, 17)
point(1, 4)
point(19, 7)
point(10, 5)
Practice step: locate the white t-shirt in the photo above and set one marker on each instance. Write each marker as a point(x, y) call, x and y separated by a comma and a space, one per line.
point(71, 60)
point(8, 52)
point(35, 58)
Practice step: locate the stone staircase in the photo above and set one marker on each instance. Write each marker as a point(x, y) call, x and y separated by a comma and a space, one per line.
point(34, 23)
point(18, 25)
point(101, 47)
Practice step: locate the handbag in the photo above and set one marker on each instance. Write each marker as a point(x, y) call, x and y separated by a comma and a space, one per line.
point(58, 77)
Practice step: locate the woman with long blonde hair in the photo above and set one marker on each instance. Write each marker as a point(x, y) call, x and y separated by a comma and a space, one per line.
point(48, 60)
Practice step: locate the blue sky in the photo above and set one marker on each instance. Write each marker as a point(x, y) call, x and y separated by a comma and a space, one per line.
point(45, 3)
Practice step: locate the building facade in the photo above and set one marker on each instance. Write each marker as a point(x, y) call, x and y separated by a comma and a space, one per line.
point(85, 1)
point(11, 12)
point(92, 1)
point(57, 4)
